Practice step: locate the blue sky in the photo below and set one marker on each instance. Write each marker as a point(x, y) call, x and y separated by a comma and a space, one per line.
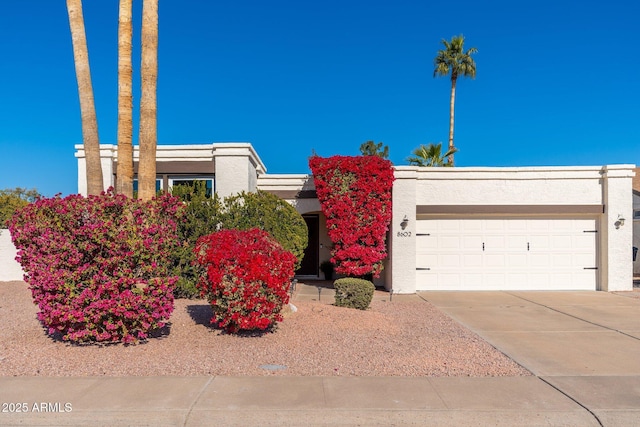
point(557, 81)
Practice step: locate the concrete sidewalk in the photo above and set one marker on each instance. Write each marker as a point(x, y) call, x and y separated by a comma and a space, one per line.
point(582, 348)
point(288, 401)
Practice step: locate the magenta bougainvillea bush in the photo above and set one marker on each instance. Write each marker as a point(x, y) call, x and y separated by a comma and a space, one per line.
point(97, 266)
point(247, 280)
point(355, 194)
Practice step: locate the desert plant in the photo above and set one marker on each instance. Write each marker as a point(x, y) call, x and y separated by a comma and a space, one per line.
point(353, 293)
point(98, 267)
point(248, 278)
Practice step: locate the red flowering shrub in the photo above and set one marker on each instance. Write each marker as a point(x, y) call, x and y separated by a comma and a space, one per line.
point(97, 266)
point(355, 194)
point(248, 277)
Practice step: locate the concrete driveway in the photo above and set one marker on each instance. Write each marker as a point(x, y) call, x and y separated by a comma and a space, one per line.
point(585, 344)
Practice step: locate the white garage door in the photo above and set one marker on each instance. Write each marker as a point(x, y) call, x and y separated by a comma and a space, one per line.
point(506, 254)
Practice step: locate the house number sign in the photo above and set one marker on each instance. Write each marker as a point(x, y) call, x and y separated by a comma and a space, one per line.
point(404, 234)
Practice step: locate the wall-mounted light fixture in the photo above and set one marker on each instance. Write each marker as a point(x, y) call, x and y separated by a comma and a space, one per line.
point(620, 222)
point(404, 223)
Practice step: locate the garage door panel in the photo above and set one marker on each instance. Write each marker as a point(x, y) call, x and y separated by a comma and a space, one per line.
point(583, 240)
point(450, 281)
point(517, 261)
point(427, 279)
point(562, 261)
point(494, 243)
point(495, 261)
point(539, 243)
point(495, 226)
point(516, 279)
point(516, 225)
point(472, 279)
point(473, 226)
point(517, 242)
point(449, 243)
point(472, 261)
point(472, 243)
point(449, 226)
point(558, 280)
point(561, 242)
point(584, 260)
point(429, 244)
point(538, 227)
point(494, 279)
point(449, 260)
point(583, 225)
point(519, 253)
point(427, 260)
point(539, 260)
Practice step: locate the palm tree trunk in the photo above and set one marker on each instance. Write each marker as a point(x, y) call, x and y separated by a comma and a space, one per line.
point(87, 103)
point(124, 173)
point(451, 114)
point(148, 103)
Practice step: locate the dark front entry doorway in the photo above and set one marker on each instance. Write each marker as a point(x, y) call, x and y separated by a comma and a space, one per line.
point(310, 262)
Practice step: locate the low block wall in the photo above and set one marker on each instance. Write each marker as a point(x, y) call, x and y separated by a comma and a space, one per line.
point(10, 270)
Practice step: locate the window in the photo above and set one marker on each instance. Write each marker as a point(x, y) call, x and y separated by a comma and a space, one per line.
point(159, 185)
point(190, 181)
point(636, 214)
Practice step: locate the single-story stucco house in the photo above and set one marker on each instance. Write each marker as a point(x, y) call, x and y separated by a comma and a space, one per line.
point(462, 228)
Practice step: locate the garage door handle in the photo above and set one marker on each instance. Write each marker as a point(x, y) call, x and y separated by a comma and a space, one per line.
point(483, 246)
point(527, 245)
point(590, 268)
point(423, 268)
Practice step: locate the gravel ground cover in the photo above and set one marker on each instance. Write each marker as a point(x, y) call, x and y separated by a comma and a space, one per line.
point(397, 338)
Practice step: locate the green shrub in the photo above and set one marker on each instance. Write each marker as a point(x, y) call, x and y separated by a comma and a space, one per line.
point(205, 215)
point(12, 199)
point(353, 293)
point(270, 213)
point(201, 216)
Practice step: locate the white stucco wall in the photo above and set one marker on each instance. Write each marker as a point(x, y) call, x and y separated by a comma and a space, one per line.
point(400, 272)
point(507, 186)
point(10, 270)
point(237, 167)
point(108, 153)
point(291, 183)
point(616, 239)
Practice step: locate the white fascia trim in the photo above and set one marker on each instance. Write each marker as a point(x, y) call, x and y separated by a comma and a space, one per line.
point(106, 150)
point(513, 173)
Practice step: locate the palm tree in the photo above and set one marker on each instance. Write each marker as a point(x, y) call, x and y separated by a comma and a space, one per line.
point(125, 102)
point(455, 61)
point(431, 155)
point(148, 103)
point(90, 137)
